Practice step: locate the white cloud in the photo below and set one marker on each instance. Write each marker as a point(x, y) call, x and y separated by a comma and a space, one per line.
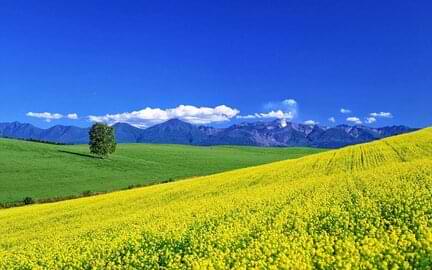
point(272, 114)
point(345, 111)
point(249, 116)
point(354, 120)
point(286, 109)
point(332, 120)
point(45, 115)
point(72, 116)
point(277, 114)
point(311, 123)
point(290, 102)
point(370, 120)
point(382, 115)
point(151, 116)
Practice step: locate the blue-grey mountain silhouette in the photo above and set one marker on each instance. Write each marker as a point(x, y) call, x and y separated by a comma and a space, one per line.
point(175, 131)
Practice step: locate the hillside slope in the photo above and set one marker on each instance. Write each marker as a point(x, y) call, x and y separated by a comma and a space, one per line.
point(367, 206)
point(44, 171)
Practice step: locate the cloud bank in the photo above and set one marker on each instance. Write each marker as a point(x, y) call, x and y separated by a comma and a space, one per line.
point(72, 116)
point(152, 116)
point(311, 123)
point(354, 120)
point(272, 114)
point(382, 115)
point(345, 111)
point(370, 120)
point(47, 116)
point(286, 109)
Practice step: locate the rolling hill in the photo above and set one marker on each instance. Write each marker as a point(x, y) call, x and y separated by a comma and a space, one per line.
point(362, 207)
point(44, 171)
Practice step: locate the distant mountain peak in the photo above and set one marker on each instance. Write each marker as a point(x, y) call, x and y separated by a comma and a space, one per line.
point(261, 133)
point(123, 125)
point(177, 122)
point(174, 123)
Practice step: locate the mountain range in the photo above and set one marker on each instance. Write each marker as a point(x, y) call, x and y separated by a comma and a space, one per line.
point(273, 133)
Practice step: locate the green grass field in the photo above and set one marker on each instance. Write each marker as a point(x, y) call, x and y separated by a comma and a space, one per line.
point(43, 171)
point(362, 207)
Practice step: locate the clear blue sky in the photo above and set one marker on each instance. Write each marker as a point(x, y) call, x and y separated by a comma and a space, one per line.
point(107, 57)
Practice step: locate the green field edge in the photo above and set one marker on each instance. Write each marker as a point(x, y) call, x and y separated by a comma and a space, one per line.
point(89, 193)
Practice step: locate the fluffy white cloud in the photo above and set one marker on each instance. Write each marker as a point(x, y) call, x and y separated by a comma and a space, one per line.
point(45, 115)
point(370, 120)
point(151, 116)
point(354, 120)
point(249, 116)
point(311, 123)
point(332, 120)
point(72, 116)
point(290, 102)
point(382, 115)
point(286, 109)
point(345, 111)
point(272, 114)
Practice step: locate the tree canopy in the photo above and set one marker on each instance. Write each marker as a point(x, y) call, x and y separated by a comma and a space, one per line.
point(102, 140)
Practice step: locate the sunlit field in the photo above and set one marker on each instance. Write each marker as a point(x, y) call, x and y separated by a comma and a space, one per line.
point(367, 206)
point(43, 171)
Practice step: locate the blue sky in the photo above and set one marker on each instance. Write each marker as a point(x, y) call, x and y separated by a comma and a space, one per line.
point(94, 58)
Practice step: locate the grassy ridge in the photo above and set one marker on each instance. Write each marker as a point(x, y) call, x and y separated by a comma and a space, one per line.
point(44, 171)
point(366, 206)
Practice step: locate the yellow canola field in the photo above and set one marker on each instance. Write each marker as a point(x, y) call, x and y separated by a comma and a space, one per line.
point(367, 206)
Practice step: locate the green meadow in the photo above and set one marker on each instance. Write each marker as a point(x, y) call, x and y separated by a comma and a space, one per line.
point(44, 171)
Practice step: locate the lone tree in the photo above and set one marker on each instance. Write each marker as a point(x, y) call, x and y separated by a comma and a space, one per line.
point(102, 140)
